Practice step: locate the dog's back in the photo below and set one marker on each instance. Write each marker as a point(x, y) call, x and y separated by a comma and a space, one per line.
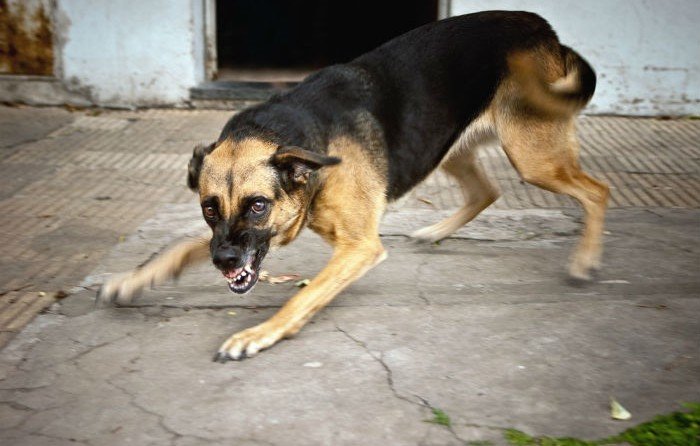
point(429, 97)
point(410, 98)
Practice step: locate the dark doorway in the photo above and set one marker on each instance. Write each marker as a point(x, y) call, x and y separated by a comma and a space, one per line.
point(299, 36)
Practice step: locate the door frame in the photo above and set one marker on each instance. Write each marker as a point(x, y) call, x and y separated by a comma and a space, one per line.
point(210, 53)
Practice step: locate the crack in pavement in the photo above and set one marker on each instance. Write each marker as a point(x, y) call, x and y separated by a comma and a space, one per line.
point(16, 289)
point(419, 273)
point(75, 361)
point(424, 403)
point(56, 437)
point(89, 350)
point(449, 427)
point(35, 412)
point(160, 418)
point(26, 411)
point(31, 411)
point(423, 297)
point(29, 389)
point(16, 406)
point(175, 435)
point(380, 360)
point(390, 378)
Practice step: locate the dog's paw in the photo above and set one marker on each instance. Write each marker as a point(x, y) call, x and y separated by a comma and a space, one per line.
point(583, 265)
point(579, 273)
point(429, 234)
point(120, 289)
point(247, 343)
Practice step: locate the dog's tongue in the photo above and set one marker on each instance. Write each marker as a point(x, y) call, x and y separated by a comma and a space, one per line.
point(232, 274)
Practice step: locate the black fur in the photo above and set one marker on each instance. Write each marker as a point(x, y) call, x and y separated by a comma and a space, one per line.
point(229, 248)
point(407, 100)
point(195, 165)
point(586, 75)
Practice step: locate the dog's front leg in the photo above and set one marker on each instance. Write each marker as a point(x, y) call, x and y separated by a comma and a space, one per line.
point(348, 263)
point(122, 288)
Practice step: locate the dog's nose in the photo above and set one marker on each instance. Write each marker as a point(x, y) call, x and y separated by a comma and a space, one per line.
point(225, 258)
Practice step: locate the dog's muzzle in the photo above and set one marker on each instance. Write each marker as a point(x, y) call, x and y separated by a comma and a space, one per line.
point(240, 270)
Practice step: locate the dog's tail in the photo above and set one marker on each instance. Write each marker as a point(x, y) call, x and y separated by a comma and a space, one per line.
point(563, 97)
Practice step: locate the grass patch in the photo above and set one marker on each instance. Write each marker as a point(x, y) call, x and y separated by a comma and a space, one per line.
point(517, 438)
point(674, 429)
point(677, 428)
point(440, 417)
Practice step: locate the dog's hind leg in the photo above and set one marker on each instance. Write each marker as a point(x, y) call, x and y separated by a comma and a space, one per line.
point(167, 265)
point(545, 153)
point(478, 191)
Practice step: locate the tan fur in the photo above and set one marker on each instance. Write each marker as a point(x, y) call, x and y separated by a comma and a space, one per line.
point(545, 153)
point(346, 214)
point(543, 79)
point(345, 203)
point(162, 268)
point(248, 165)
point(462, 164)
point(542, 147)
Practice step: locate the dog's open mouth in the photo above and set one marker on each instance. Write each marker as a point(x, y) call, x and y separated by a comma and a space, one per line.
point(241, 279)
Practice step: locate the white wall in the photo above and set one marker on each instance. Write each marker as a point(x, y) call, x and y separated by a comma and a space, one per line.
point(150, 52)
point(646, 52)
point(131, 52)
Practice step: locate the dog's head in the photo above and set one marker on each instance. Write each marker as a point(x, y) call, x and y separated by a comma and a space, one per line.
point(254, 195)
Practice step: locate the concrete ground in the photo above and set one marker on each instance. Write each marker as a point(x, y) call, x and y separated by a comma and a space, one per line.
point(484, 326)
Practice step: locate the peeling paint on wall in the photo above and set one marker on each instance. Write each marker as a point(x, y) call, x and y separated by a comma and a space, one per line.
point(131, 53)
point(26, 38)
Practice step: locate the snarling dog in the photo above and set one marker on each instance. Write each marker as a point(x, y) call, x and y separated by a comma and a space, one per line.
point(332, 152)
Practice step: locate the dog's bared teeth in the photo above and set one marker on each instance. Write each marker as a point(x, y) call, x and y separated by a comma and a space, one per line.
point(241, 278)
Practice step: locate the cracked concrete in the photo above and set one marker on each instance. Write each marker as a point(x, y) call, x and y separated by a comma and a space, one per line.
point(379, 357)
point(490, 332)
point(484, 326)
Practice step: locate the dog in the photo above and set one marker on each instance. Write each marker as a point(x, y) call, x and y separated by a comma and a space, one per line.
point(333, 151)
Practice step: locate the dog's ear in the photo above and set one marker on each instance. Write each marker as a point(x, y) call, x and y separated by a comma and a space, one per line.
point(298, 163)
point(195, 164)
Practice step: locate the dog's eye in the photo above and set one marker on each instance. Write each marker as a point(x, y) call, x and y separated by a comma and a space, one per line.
point(209, 212)
point(258, 206)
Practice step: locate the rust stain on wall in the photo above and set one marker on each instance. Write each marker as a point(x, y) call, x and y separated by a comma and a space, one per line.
point(26, 39)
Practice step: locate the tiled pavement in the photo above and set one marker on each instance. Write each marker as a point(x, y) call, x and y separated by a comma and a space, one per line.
point(66, 197)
